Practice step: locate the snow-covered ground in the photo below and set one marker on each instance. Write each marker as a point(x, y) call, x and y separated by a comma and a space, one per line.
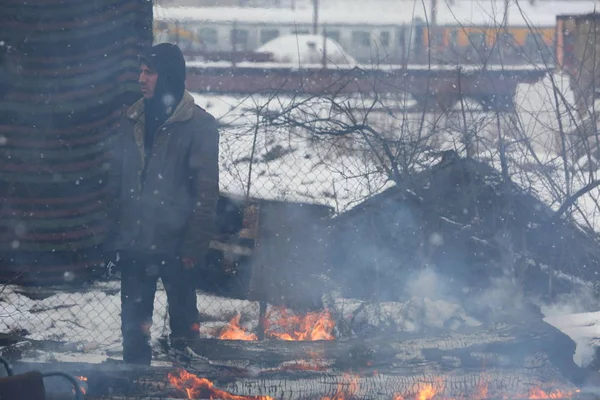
point(88, 322)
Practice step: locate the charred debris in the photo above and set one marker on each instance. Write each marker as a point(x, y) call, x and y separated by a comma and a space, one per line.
point(461, 218)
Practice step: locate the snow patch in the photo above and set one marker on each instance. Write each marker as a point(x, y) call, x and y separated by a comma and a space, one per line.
point(306, 49)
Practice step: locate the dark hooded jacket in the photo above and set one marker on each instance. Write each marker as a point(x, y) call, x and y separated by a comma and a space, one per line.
point(164, 194)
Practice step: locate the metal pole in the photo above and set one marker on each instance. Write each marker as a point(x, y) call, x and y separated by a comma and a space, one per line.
point(324, 47)
point(233, 39)
point(432, 25)
point(315, 16)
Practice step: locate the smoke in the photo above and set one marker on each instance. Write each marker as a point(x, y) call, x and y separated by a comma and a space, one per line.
point(498, 299)
point(428, 283)
point(575, 314)
point(442, 300)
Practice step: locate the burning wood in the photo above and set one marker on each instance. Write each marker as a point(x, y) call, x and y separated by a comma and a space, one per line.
point(518, 355)
point(280, 324)
point(430, 392)
point(349, 388)
point(234, 331)
point(82, 384)
point(201, 388)
point(312, 326)
point(521, 358)
point(537, 393)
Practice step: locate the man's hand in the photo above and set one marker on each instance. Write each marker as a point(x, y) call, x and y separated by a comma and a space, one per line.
point(188, 263)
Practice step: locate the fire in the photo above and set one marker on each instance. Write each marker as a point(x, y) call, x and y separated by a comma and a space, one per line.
point(82, 379)
point(312, 326)
point(426, 392)
point(481, 392)
point(202, 388)
point(279, 324)
point(234, 331)
point(537, 393)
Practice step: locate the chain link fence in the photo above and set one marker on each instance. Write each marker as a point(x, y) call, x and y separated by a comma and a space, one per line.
point(277, 185)
point(282, 181)
point(288, 165)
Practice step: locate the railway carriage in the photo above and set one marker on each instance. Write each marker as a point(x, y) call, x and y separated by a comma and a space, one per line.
point(463, 34)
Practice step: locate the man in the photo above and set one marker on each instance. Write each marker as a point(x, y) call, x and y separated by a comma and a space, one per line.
point(165, 181)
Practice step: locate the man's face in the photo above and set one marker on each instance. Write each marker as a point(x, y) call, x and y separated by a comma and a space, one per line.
point(147, 80)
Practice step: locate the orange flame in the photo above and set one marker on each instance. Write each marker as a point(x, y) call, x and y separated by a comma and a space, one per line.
point(312, 326)
point(197, 388)
point(309, 327)
point(426, 392)
point(234, 331)
point(481, 391)
point(83, 379)
point(537, 393)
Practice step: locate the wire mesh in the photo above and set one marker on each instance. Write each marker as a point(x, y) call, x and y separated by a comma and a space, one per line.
point(299, 151)
point(264, 158)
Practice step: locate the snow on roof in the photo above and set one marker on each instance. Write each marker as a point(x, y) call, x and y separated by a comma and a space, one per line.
point(306, 49)
point(389, 12)
point(281, 16)
point(368, 67)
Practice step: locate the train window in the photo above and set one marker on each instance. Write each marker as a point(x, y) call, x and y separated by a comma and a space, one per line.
point(239, 37)
point(453, 38)
point(267, 35)
point(534, 41)
point(384, 38)
point(536, 48)
point(400, 38)
point(208, 35)
point(507, 39)
point(476, 39)
point(361, 38)
point(334, 35)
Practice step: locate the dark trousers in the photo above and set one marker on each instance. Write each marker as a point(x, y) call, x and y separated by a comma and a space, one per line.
point(139, 275)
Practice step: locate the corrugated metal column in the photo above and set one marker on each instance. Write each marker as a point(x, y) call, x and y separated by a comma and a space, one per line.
point(71, 69)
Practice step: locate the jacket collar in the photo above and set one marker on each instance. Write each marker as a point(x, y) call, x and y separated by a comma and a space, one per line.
point(183, 112)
